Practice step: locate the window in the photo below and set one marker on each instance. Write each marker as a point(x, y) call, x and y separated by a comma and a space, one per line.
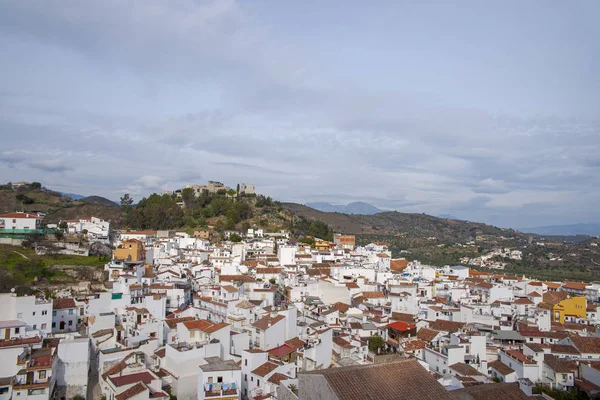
point(3, 390)
point(251, 379)
point(70, 323)
point(44, 326)
point(34, 313)
point(258, 382)
point(20, 315)
point(54, 325)
point(219, 379)
point(246, 362)
point(210, 379)
point(54, 313)
point(34, 327)
point(17, 330)
point(70, 311)
point(43, 374)
point(245, 377)
point(45, 312)
point(564, 376)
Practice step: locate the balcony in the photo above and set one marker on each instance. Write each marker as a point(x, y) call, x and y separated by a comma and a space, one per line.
point(221, 393)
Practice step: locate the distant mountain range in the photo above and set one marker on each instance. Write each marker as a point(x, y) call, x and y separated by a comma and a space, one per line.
point(72, 195)
point(565, 230)
point(357, 207)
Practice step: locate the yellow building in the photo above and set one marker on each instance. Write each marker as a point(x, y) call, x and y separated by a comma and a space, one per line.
point(322, 245)
point(133, 250)
point(575, 306)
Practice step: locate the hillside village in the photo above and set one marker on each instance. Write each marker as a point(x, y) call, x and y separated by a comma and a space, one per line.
point(261, 315)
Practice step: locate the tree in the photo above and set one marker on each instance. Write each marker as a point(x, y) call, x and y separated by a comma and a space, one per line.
point(59, 235)
point(272, 281)
point(188, 196)
point(126, 200)
point(35, 185)
point(63, 225)
point(234, 237)
point(376, 343)
point(237, 190)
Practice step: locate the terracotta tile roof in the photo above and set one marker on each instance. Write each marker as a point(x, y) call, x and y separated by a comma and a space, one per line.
point(465, 370)
point(269, 270)
point(373, 295)
point(235, 278)
point(229, 289)
point(341, 307)
point(115, 369)
point(281, 351)
point(523, 301)
point(352, 285)
point(586, 344)
point(266, 368)
point(145, 377)
point(405, 317)
point(446, 326)
point(534, 294)
point(501, 367)
point(491, 391)
point(276, 378)
point(401, 326)
point(266, 321)
point(102, 332)
point(416, 344)
point(554, 297)
point(20, 342)
point(159, 395)
point(61, 304)
point(537, 333)
point(295, 343)
point(559, 365)
point(132, 391)
point(343, 343)
point(398, 265)
point(405, 379)
point(552, 285)
point(427, 334)
point(216, 327)
point(21, 215)
point(574, 285)
point(161, 353)
point(172, 322)
point(517, 355)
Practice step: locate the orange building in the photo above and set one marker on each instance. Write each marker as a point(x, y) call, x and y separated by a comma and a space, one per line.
point(344, 241)
point(130, 250)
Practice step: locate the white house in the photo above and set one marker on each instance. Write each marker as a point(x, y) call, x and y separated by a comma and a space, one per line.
point(219, 378)
point(64, 315)
point(35, 313)
point(20, 220)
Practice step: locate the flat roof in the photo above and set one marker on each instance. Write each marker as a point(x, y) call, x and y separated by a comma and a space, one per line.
point(218, 364)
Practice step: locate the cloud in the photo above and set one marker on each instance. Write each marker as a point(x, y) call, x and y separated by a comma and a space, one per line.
point(51, 166)
point(151, 96)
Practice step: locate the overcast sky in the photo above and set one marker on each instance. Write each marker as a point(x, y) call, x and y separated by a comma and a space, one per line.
point(488, 113)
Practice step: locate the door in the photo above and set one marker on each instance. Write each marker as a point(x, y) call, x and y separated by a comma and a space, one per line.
point(7, 333)
point(62, 325)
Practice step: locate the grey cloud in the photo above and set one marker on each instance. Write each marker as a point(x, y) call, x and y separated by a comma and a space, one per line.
point(51, 165)
point(277, 122)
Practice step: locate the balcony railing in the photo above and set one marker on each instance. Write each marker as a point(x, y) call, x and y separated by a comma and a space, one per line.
point(220, 393)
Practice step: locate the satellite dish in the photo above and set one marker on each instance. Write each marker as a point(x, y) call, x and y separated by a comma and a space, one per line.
point(12, 290)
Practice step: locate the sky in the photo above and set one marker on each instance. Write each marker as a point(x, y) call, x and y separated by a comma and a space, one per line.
point(486, 111)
